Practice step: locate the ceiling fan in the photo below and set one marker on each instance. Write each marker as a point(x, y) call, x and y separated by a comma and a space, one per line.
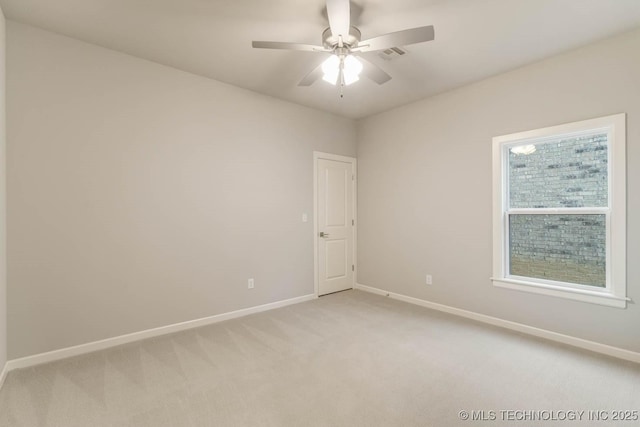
point(344, 42)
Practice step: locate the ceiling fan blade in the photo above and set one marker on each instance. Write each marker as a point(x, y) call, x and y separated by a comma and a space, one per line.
point(310, 78)
point(397, 39)
point(339, 13)
point(289, 46)
point(373, 72)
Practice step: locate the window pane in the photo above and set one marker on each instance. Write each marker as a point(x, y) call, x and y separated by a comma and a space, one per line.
point(569, 172)
point(564, 248)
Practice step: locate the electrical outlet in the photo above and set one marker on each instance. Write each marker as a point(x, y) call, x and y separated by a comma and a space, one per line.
point(305, 217)
point(250, 283)
point(429, 279)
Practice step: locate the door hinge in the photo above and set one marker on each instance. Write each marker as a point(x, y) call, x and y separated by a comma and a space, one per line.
point(353, 177)
point(353, 267)
point(353, 222)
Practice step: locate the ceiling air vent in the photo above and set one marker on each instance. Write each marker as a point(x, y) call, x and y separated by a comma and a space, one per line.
point(392, 53)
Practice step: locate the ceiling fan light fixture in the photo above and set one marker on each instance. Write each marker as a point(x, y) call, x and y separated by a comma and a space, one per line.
point(331, 69)
point(340, 39)
point(351, 70)
point(347, 67)
point(331, 78)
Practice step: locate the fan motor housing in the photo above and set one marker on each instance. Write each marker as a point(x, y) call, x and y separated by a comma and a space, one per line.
point(331, 42)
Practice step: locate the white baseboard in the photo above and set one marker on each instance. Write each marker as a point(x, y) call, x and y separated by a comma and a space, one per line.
point(63, 353)
point(542, 333)
point(3, 374)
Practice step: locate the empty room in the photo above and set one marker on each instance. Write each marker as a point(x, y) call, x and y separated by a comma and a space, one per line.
point(319, 213)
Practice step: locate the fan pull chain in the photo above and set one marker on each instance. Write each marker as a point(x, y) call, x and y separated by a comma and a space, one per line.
point(342, 82)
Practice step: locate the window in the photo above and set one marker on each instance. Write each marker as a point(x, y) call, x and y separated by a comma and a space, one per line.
point(559, 207)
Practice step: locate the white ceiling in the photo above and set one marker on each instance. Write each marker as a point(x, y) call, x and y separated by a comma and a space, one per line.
point(212, 38)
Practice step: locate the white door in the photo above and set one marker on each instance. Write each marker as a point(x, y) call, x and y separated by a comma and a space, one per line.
point(335, 224)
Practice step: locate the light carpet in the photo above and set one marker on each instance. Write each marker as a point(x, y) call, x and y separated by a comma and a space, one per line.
point(347, 359)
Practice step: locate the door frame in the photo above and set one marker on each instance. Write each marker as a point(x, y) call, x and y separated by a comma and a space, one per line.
point(318, 155)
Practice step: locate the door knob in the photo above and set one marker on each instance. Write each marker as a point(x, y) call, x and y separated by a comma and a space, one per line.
point(323, 234)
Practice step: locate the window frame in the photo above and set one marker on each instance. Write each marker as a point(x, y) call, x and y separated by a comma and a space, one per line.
point(614, 292)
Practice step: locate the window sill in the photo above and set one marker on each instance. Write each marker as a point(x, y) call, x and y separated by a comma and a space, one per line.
point(594, 297)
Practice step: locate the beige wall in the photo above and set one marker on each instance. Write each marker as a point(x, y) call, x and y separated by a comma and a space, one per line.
point(3, 211)
point(424, 187)
point(141, 196)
